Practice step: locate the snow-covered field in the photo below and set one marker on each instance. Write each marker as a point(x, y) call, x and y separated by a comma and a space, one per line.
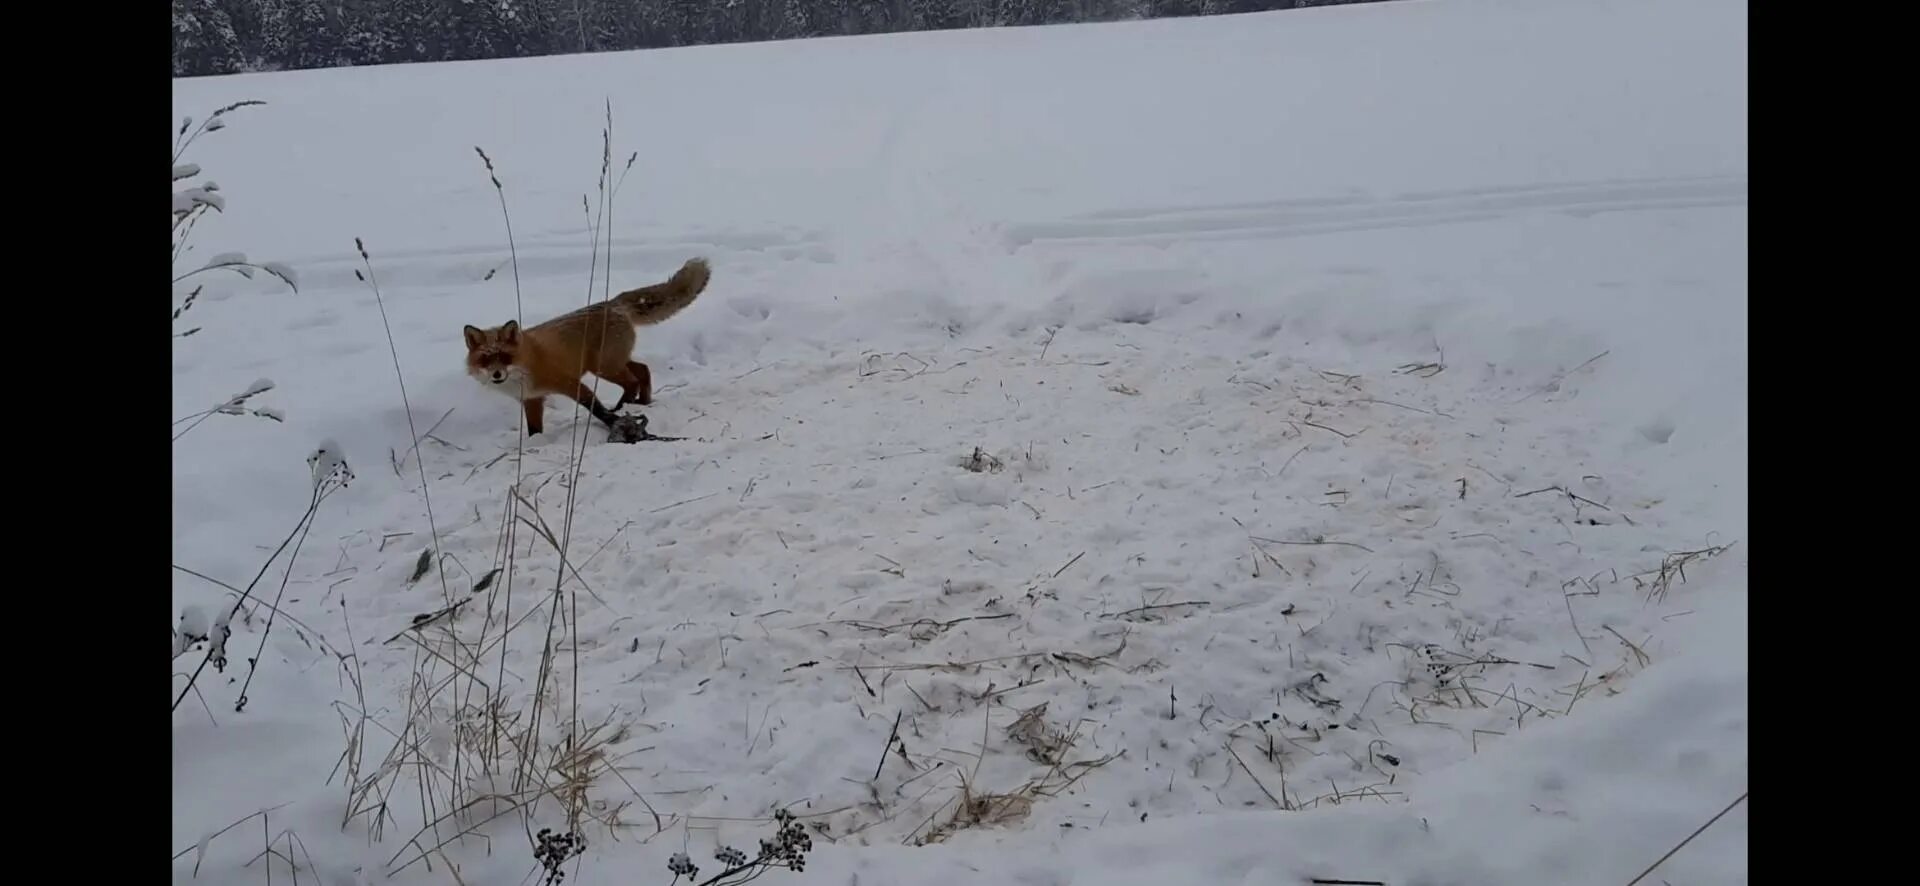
point(1300, 407)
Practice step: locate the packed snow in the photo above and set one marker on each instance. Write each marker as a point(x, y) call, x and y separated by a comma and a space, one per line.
point(1235, 450)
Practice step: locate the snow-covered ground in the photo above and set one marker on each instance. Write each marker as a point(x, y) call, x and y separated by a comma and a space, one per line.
point(1301, 407)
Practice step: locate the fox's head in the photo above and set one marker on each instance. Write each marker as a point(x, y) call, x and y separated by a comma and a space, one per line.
point(491, 352)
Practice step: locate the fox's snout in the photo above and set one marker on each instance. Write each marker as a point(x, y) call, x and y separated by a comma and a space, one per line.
point(499, 376)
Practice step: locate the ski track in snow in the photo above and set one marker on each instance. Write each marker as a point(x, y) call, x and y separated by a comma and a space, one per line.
point(566, 252)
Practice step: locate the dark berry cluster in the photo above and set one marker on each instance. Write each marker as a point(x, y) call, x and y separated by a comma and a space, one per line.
point(788, 848)
point(1440, 671)
point(552, 850)
point(790, 844)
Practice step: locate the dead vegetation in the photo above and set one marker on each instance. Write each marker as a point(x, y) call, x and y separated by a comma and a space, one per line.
point(981, 461)
point(1046, 745)
point(1672, 566)
point(475, 742)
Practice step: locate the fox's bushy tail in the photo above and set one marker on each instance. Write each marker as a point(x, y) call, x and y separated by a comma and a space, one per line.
point(653, 304)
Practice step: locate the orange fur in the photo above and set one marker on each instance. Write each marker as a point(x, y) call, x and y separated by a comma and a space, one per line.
point(539, 361)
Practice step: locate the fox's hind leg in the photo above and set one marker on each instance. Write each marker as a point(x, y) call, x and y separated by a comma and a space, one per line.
point(642, 392)
point(635, 381)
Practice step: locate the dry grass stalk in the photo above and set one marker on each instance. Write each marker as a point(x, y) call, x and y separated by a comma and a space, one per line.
point(1277, 802)
point(1674, 566)
point(1047, 745)
point(1690, 837)
point(470, 748)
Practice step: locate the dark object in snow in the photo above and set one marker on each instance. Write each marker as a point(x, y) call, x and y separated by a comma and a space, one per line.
point(552, 850)
point(982, 462)
point(633, 429)
point(421, 566)
point(486, 580)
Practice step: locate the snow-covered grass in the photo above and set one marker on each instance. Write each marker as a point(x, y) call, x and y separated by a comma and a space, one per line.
point(1247, 449)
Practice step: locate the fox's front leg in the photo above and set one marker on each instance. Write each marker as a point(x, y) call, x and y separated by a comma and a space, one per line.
point(585, 395)
point(536, 413)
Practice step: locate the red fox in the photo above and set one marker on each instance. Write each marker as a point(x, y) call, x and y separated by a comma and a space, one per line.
point(529, 364)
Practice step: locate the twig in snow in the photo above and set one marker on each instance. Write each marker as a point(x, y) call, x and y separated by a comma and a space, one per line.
point(200, 846)
point(1576, 624)
point(1562, 377)
point(996, 693)
point(1258, 551)
point(426, 619)
point(1572, 496)
point(891, 735)
point(1343, 434)
point(1256, 778)
point(426, 436)
point(1498, 660)
point(1290, 458)
point(1317, 541)
point(954, 665)
point(1138, 609)
point(1641, 656)
point(935, 626)
point(1404, 406)
point(1675, 565)
point(1697, 832)
point(685, 501)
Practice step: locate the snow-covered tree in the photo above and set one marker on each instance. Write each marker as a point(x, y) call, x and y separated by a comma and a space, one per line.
point(219, 36)
point(203, 39)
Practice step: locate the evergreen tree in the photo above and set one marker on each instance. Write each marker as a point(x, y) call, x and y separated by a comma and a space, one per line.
point(794, 20)
point(313, 36)
point(267, 49)
point(223, 36)
point(203, 39)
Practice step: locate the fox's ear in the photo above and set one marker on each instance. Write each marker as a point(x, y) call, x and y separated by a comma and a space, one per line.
point(474, 337)
point(510, 333)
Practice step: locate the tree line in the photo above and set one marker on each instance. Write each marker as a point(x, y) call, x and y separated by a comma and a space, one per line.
point(229, 36)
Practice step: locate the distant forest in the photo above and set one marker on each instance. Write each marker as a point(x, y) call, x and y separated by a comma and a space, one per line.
point(228, 36)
